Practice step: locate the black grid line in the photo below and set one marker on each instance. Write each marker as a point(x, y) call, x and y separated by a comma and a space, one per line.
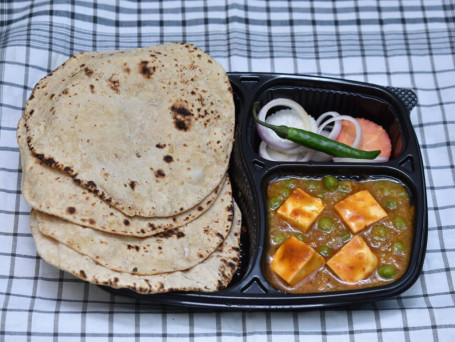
point(247, 34)
point(315, 39)
point(338, 40)
point(270, 39)
point(293, 39)
point(423, 284)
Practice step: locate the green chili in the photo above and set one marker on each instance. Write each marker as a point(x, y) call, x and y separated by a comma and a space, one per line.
point(316, 141)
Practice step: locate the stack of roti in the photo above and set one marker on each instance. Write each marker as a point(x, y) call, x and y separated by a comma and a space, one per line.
point(124, 158)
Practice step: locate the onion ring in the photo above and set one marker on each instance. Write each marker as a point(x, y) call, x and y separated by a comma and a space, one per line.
point(267, 152)
point(270, 137)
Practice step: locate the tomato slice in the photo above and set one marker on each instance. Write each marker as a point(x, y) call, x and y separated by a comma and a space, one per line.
point(374, 137)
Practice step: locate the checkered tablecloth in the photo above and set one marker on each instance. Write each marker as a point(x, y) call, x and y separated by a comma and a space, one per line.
point(409, 44)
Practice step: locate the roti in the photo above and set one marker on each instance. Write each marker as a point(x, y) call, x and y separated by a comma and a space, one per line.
point(213, 274)
point(53, 192)
point(174, 250)
point(149, 130)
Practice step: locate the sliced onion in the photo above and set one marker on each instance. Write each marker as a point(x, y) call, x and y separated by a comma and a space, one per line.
point(358, 128)
point(318, 156)
point(270, 137)
point(336, 127)
point(266, 152)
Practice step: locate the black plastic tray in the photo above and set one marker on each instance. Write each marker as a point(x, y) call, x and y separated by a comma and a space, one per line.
point(250, 174)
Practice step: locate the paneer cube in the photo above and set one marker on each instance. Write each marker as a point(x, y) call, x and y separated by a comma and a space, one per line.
point(359, 211)
point(354, 262)
point(295, 260)
point(301, 209)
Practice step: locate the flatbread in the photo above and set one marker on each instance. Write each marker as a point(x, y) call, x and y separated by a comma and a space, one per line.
point(174, 250)
point(148, 130)
point(213, 274)
point(53, 192)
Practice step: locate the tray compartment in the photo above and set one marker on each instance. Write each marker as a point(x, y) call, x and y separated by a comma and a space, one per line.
point(362, 173)
point(317, 101)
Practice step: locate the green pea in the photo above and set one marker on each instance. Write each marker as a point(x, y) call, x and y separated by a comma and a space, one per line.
point(301, 237)
point(345, 235)
point(278, 238)
point(330, 183)
point(284, 192)
point(402, 192)
point(274, 203)
point(387, 190)
point(321, 194)
point(398, 248)
point(326, 224)
point(391, 204)
point(380, 231)
point(400, 223)
point(290, 184)
point(386, 271)
point(311, 186)
point(324, 251)
point(345, 187)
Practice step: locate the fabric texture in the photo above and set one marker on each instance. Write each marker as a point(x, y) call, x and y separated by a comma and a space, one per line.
point(402, 44)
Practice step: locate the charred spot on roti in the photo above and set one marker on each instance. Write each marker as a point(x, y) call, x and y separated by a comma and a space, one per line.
point(91, 221)
point(181, 116)
point(82, 274)
point(170, 233)
point(200, 208)
point(132, 184)
point(159, 145)
point(168, 158)
point(133, 247)
point(49, 161)
point(134, 269)
point(88, 72)
point(65, 91)
point(145, 69)
point(126, 222)
point(92, 88)
point(31, 112)
point(160, 173)
point(114, 83)
point(181, 125)
point(71, 210)
point(91, 184)
point(68, 169)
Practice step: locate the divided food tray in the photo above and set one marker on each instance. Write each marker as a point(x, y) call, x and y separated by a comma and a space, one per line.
point(250, 175)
